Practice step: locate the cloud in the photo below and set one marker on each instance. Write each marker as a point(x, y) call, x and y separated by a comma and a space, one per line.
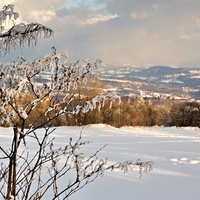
point(130, 31)
point(95, 19)
point(37, 10)
point(125, 8)
point(140, 16)
point(85, 14)
point(42, 15)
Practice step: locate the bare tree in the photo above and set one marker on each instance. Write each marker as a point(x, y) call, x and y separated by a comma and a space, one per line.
point(50, 79)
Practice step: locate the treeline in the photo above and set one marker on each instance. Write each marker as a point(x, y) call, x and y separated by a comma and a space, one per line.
point(130, 112)
point(142, 113)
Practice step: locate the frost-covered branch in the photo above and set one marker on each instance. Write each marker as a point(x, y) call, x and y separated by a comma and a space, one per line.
point(22, 34)
point(19, 34)
point(7, 13)
point(144, 166)
point(47, 79)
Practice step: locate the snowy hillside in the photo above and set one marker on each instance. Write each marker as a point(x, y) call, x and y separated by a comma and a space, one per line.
point(175, 152)
point(178, 83)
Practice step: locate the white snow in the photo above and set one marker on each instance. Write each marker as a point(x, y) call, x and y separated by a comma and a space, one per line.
point(117, 80)
point(194, 77)
point(171, 81)
point(175, 152)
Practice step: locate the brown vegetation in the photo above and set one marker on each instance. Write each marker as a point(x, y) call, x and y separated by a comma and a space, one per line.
point(130, 112)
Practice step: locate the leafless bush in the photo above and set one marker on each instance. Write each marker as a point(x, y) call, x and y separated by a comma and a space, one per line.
point(52, 82)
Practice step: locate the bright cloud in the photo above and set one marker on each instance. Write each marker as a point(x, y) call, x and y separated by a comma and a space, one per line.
point(42, 15)
point(96, 19)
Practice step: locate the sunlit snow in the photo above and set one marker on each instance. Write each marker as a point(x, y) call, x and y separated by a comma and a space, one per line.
point(175, 152)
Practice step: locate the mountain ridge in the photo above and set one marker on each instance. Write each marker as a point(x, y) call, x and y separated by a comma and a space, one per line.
point(183, 81)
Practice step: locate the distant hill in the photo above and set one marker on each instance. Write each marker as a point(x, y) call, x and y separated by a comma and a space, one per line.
point(160, 71)
point(160, 79)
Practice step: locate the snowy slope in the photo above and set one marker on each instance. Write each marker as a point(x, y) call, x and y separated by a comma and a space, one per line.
point(175, 151)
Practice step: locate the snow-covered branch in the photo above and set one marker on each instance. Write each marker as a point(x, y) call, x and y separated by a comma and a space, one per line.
point(22, 34)
point(7, 12)
point(48, 78)
point(19, 34)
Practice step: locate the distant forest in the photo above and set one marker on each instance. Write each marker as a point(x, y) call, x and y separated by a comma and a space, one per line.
point(130, 112)
point(138, 112)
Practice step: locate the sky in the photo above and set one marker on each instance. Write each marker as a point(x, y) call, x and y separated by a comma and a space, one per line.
point(134, 32)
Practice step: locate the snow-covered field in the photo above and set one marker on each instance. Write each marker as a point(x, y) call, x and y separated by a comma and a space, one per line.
point(175, 152)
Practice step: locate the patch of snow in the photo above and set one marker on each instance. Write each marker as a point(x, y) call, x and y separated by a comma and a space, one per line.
point(171, 81)
point(194, 162)
point(194, 71)
point(117, 80)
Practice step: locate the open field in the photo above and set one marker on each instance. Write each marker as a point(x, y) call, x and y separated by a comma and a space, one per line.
point(175, 152)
